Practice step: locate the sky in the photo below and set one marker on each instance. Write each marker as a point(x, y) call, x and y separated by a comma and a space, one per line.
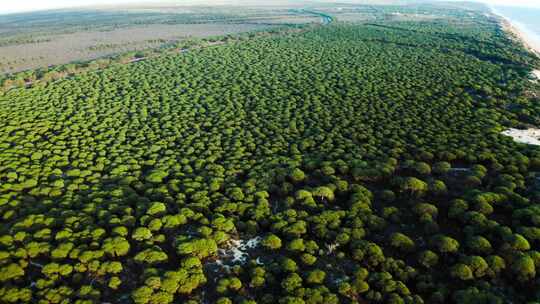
point(11, 6)
point(531, 3)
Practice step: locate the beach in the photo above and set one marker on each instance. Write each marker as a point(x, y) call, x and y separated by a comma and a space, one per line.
point(521, 34)
point(518, 32)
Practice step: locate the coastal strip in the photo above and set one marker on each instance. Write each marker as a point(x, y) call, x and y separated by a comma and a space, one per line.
point(517, 32)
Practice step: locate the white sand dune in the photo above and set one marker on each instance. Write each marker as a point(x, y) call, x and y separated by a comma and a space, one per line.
point(530, 136)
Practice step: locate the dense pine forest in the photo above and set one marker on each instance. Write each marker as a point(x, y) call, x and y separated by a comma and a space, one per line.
point(345, 163)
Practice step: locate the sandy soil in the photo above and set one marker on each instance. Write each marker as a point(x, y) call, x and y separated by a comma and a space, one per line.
point(353, 17)
point(519, 35)
point(64, 48)
point(530, 136)
point(237, 251)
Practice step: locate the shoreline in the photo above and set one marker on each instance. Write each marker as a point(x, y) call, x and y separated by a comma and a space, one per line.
point(517, 32)
point(520, 34)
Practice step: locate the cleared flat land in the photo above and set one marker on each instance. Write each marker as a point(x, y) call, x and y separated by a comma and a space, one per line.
point(66, 48)
point(29, 41)
point(37, 40)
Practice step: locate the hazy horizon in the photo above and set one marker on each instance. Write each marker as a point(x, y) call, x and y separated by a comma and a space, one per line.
point(37, 5)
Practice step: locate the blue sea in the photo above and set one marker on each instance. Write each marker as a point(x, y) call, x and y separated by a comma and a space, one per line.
point(526, 19)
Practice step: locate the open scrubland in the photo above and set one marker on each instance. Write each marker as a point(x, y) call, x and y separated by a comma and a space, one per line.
point(340, 163)
point(37, 40)
point(81, 46)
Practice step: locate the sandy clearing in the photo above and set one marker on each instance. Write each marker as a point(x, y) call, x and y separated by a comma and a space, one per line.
point(237, 250)
point(530, 136)
point(65, 48)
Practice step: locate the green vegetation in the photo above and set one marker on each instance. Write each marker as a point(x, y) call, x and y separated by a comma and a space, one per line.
point(53, 73)
point(347, 163)
point(39, 40)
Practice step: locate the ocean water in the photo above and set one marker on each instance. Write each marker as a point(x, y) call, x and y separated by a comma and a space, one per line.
point(525, 18)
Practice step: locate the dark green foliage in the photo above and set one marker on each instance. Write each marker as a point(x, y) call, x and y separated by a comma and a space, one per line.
point(156, 176)
point(445, 244)
point(348, 163)
point(401, 242)
point(524, 268)
point(297, 175)
point(151, 256)
point(428, 258)
point(11, 271)
point(441, 167)
point(291, 282)
point(315, 276)
point(272, 241)
point(462, 272)
point(479, 244)
point(200, 248)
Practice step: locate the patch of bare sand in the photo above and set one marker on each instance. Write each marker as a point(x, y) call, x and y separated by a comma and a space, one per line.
point(519, 35)
point(530, 136)
point(536, 74)
point(89, 45)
